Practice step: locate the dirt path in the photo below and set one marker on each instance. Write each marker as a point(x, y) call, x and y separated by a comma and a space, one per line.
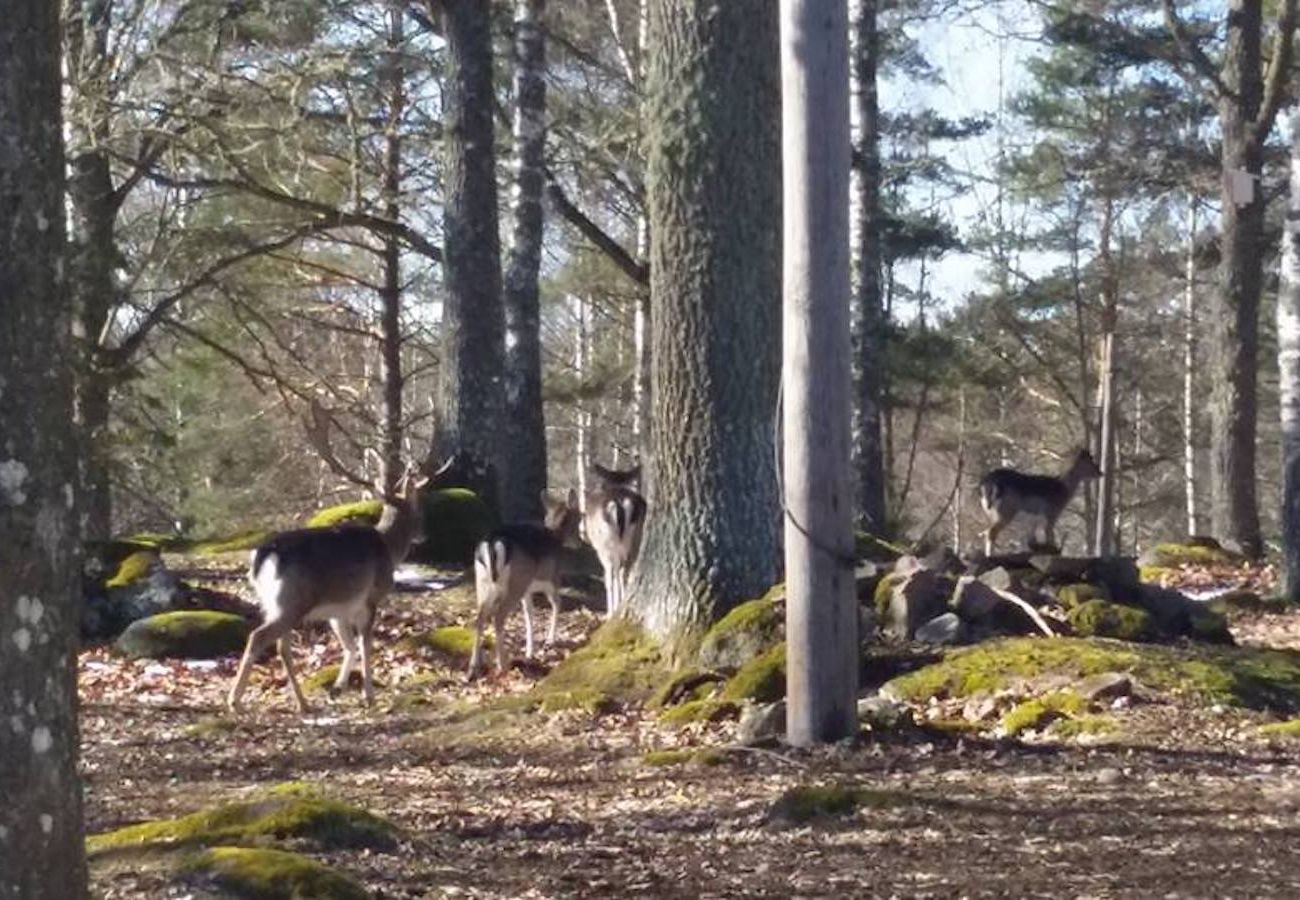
point(1194, 806)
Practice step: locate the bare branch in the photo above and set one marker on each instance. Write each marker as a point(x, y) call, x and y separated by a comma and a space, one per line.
point(638, 271)
point(318, 435)
point(1201, 64)
point(1279, 70)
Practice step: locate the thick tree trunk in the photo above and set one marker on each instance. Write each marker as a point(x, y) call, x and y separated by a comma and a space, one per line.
point(714, 196)
point(867, 316)
point(93, 260)
point(41, 838)
point(1288, 358)
point(821, 612)
point(1235, 306)
point(525, 424)
point(390, 296)
point(472, 367)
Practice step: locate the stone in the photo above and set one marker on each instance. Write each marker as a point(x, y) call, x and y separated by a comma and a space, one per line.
point(185, 634)
point(880, 713)
point(761, 723)
point(944, 629)
point(974, 600)
point(1105, 686)
point(108, 611)
point(915, 601)
point(944, 561)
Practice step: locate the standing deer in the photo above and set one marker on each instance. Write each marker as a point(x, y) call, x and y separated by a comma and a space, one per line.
point(340, 574)
point(1004, 493)
point(614, 519)
point(515, 562)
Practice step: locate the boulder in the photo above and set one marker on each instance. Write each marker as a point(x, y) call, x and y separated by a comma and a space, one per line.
point(943, 629)
point(1101, 618)
point(882, 713)
point(761, 723)
point(1105, 686)
point(974, 600)
point(745, 632)
point(914, 601)
point(187, 634)
point(108, 611)
point(1198, 551)
point(1119, 574)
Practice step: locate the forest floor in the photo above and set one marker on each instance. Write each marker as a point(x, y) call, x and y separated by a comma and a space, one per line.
point(1185, 801)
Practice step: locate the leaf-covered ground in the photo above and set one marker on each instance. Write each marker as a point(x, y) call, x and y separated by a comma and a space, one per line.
point(1181, 802)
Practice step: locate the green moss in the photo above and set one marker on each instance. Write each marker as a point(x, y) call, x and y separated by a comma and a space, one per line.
point(1238, 676)
point(365, 512)
point(686, 756)
point(805, 803)
point(1086, 724)
point(453, 643)
point(1175, 555)
point(745, 631)
point(620, 661)
point(589, 699)
point(1162, 575)
point(290, 811)
point(699, 711)
point(1288, 729)
point(761, 680)
point(323, 679)
point(1101, 618)
point(1037, 712)
point(1072, 595)
point(133, 568)
point(261, 874)
point(244, 540)
point(212, 727)
point(953, 726)
point(685, 685)
point(185, 634)
point(885, 593)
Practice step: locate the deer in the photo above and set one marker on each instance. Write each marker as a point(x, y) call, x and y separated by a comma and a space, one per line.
point(613, 520)
point(1005, 493)
point(514, 563)
point(340, 574)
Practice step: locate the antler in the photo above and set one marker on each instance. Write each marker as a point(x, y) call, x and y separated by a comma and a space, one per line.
point(318, 435)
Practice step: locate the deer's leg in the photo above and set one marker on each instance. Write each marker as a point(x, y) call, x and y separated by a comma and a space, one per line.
point(476, 657)
point(367, 648)
point(527, 604)
point(553, 596)
point(261, 638)
point(611, 598)
point(348, 638)
point(287, 658)
point(499, 628)
point(991, 536)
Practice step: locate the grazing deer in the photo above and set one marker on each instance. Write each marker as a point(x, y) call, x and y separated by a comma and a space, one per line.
point(340, 574)
point(614, 518)
point(1004, 493)
point(515, 562)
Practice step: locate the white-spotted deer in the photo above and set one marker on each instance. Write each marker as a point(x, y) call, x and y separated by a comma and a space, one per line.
point(1005, 493)
point(614, 518)
point(338, 574)
point(515, 562)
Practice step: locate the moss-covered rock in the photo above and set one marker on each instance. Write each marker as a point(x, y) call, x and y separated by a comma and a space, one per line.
point(745, 631)
point(1237, 676)
point(133, 567)
point(710, 710)
point(1101, 618)
point(884, 592)
point(1161, 575)
point(1085, 725)
point(452, 644)
point(682, 757)
point(263, 874)
point(289, 811)
point(686, 685)
point(1202, 552)
point(1036, 712)
point(185, 634)
point(807, 803)
point(1071, 596)
point(1210, 625)
point(455, 520)
point(761, 680)
point(620, 662)
point(1288, 729)
point(360, 512)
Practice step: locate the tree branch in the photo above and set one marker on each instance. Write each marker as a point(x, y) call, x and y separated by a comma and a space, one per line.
point(1279, 69)
point(1200, 63)
point(634, 269)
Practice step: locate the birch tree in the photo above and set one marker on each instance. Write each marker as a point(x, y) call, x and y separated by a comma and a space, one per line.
point(711, 538)
point(526, 427)
point(1288, 359)
point(821, 615)
point(41, 838)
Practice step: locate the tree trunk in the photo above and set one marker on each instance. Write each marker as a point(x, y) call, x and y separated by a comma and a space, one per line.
point(41, 838)
point(641, 317)
point(93, 259)
point(1235, 306)
point(1288, 357)
point(525, 470)
point(867, 316)
point(1189, 374)
point(472, 367)
point(821, 611)
point(391, 293)
point(582, 415)
point(714, 195)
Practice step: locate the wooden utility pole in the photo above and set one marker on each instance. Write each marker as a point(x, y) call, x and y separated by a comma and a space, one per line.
point(821, 615)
